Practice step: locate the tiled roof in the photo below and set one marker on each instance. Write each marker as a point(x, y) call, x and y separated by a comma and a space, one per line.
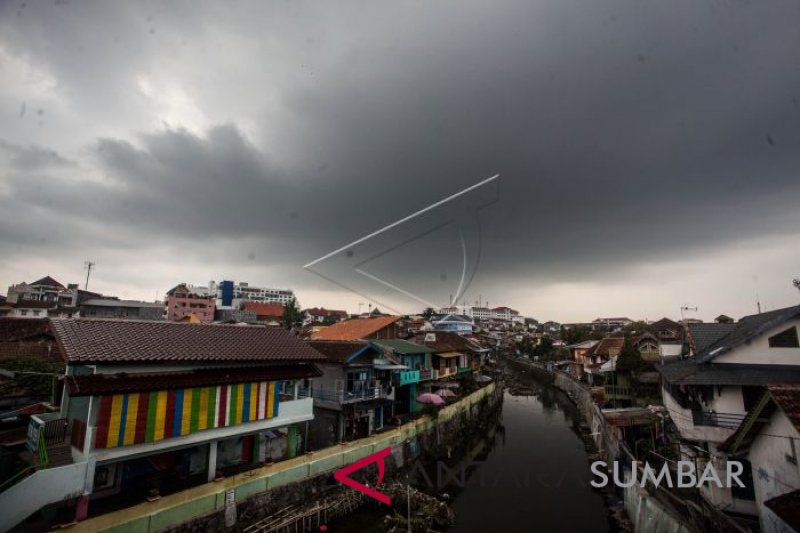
point(664, 324)
point(688, 372)
point(702, 335)
point(787, 507)
point(116, 341)
point(606, 345)
point(788, 399)
point(356, 328)
point(401, 346)
point(16, 329)
point(746, 329)
point(338, 351)
point(94, 384)
point(447, 341)
point(47, 280)
point(264, 309)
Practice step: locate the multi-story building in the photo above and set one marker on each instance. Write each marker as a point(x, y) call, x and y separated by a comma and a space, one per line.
point(461, 324)
point(485, 313)
point(232, 295)
point(151, 408)
point(354, 396)
point(46, 297)
point(719, 392)
point(183, 303)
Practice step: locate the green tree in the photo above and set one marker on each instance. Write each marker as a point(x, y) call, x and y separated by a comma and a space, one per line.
point(428, 313)
point(39, 383)
point(629, 359)
point(292, 316)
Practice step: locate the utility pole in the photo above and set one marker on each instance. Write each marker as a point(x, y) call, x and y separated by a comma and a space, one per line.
point(88, 265)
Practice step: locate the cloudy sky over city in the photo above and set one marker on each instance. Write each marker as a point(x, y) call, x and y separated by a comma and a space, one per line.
point(648, 152)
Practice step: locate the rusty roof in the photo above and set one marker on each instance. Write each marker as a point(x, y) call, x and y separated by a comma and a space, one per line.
point(84, 340)
point(355, 328)
point(788, 399)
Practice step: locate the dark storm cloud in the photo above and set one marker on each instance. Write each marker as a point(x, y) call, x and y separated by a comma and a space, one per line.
point(624, 131)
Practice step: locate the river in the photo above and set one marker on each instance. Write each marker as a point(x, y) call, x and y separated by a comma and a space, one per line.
point(533, 475)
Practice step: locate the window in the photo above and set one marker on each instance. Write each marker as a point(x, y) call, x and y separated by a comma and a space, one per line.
point(24, 312)
point(785, 339)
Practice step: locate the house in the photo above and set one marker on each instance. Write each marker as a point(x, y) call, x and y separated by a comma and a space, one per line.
point(371, 327)
point(182, 303)
point(354, 396)
point(580, 353)
point(270, 314)
point(124, 309)
point(612, 323)
point(414, 378)
point(710, 395)
point(154, 407)
point(602, 352)
point(769, 440)
point(666, 330)
point(320, 315)
point(453, 354)
point(461, 324)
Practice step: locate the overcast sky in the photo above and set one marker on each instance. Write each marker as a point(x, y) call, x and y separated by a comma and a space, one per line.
point(649, 151)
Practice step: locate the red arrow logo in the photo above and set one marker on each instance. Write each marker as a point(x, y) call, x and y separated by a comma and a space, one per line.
point(377, 458)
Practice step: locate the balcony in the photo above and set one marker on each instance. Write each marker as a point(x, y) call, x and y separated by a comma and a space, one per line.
point(355, 392)
point(464, 369)
point(618, 392)
point(445, 372)
point(428, 374)
point(719, 420)
point(407, 377)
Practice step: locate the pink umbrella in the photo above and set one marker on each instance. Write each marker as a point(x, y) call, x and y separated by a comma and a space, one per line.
point(446, 393)
point(431, 398)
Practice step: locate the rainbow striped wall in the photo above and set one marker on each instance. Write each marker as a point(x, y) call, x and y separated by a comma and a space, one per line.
point(140, 417)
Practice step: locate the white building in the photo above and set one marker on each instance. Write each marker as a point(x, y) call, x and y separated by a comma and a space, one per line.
point(231, 294)
point(711, 396)
point(485, 313)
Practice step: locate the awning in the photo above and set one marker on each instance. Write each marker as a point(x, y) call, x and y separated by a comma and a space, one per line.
point(391, 367)
point(448, 355)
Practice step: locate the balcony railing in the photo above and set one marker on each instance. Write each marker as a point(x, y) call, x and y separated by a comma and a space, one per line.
point(721, 420)
point(464, 369)
point(616, 391)
point(356, 392)
point(428, 374)
point(406, 377)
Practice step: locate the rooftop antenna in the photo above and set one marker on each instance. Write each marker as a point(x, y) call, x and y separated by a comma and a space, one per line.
point(88, 265)
point(686, 308)
point(758, 304)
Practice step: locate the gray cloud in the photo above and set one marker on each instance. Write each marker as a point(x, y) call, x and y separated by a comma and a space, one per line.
point(626, 132)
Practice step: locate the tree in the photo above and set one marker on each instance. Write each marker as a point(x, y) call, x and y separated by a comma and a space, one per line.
point(629, 359)
point(428, 313)
point(291, 314)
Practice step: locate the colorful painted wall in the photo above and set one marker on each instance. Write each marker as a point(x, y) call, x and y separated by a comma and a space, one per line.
point(136, 418)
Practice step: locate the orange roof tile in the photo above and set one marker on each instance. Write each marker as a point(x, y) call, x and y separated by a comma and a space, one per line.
point(355, 328)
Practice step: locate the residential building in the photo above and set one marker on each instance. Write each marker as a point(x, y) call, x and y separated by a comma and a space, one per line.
point(701, 335)
point(666, 330)
point(232, 295)
point(769, 439)
point(320, 315)
point(460, 324)
point(373, 327)
point(182, 303)
point(612, 323)
point(151, 408)
point(485, 313)
point(416, 374)
point(270, 314)
point(123, 309)
point(711, 394)
point(354, 396)
point(452, 354)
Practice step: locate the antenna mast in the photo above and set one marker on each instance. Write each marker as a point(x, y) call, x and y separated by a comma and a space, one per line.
point(88, 265)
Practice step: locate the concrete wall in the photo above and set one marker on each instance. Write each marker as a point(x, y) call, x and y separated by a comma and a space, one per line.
point(296, 477)
point(44, 487)
point(773, 473)
point(758, 350)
